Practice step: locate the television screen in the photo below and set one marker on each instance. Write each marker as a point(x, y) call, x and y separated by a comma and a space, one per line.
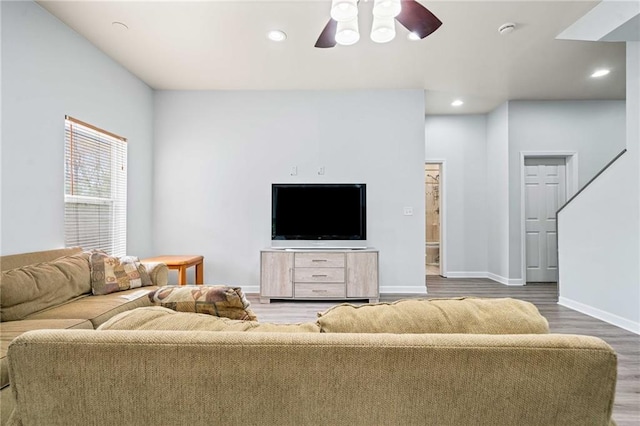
point(318, 212)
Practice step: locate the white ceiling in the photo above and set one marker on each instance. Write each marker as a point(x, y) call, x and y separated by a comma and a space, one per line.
point(222, 45)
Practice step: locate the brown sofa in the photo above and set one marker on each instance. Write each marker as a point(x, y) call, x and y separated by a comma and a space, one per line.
point(52, 290)
point(446, 362)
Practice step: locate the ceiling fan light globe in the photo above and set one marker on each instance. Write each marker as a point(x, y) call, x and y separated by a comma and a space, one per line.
point(347, 38)
point(387, 8)
point(347, 32)
point(344, 10)
point(383, 30)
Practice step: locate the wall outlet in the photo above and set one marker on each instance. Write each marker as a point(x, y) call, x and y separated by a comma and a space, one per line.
point(294, 171)
point(408, 211)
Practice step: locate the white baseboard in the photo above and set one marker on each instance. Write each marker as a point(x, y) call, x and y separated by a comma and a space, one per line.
point(418, 289)
point(504, 280)
point(465, 274)
point(489, 275)
point(422, 289)
point(605, 316)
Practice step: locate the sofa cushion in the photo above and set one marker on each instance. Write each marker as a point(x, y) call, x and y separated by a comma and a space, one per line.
point(159, 318)
point(12, 329)
point(217, 300)
point(110, 274)
point(32, 288)
point(98, 309)
point(458, 315)
point(13, 261)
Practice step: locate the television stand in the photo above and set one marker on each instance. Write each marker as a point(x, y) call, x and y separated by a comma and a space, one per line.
point(319, 274)
point(317, 249)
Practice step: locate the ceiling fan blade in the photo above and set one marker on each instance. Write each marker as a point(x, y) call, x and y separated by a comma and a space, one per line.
point(328, 35)
point(417, 18)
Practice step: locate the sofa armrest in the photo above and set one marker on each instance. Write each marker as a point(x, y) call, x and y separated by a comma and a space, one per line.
point(158, 272)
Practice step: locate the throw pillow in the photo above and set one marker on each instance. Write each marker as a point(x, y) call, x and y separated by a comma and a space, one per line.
point(458, 315)
point(110, 274)
point(217, 300)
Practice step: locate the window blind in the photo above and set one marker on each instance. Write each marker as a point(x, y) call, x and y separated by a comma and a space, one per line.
point(95, 189)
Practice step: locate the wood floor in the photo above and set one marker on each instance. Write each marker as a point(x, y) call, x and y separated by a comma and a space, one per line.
point(432, 269)
point(626, 411)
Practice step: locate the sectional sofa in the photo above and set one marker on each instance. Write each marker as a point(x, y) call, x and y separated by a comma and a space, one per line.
point(52, 290)
point(413, 362)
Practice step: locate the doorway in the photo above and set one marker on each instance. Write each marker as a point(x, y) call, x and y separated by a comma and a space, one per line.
point(545, 191)
point(433, 208)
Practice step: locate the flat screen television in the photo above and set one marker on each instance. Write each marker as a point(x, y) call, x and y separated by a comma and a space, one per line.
point(319, 215)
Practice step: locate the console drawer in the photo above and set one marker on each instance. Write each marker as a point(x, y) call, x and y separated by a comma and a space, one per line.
point(309, 290)
point(319, 260)
point(318, 275)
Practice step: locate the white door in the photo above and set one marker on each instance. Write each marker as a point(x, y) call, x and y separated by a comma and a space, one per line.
point(545, 192)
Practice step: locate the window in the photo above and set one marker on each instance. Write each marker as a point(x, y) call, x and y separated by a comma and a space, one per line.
point(95, 188)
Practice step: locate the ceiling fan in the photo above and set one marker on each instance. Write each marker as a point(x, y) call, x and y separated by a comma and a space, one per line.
point(342, 28)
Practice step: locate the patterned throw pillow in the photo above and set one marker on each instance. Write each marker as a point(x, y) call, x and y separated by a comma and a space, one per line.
point(110, 274)
point(217, 300)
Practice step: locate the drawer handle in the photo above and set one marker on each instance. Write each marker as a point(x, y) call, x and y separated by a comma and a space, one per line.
point(319, 260)
point(318, 291)
point(319, 275)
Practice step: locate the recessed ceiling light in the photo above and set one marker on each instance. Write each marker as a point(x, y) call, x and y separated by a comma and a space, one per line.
point(277, 35)
point(413, 36)
point(119, 25)
point(600, 73)
point(457, 103)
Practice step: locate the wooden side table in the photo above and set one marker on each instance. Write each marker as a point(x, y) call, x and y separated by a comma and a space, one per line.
point(181, 263)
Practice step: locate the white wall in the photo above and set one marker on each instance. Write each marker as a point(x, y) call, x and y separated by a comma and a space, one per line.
point(1, 106)
point(218, 152)
point(599, 231)
point(483, 214)
point(498, 194)
point(460, 141)
point(593, 129)
point(48, 71)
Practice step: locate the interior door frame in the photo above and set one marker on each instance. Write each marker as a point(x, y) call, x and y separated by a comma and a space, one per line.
point(443, 216)
point(571, 181)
